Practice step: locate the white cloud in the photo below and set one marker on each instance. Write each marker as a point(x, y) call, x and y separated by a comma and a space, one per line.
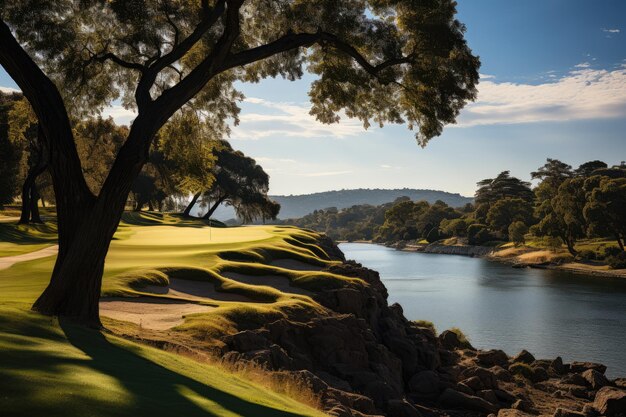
point(121, 115)
point(582, 94)
point(611, 30)
point(486, 76)
point(385, 166)
point(8, 90)
point(583, 65)
point(279, 119)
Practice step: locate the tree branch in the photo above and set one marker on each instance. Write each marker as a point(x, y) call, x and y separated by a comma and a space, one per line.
point(119, 61)
point(48, 105)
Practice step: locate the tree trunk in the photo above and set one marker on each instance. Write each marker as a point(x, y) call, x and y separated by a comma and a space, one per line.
point(74, 289)
point(34, 208)
point(192, 203)
point(570, 246)
point(213, 208)
point(150, 206)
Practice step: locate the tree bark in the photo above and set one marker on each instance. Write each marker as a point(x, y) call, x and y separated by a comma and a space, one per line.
point(192, 203)
point(30, 210)
point(213, 208)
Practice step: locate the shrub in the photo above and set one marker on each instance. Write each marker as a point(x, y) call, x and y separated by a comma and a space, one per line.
point(517, 231)
point(618, 261)
point(553, 242)
point(522, 369)
point(587, 254)
point(433, 235)
point(465, 343)
point(426, 324)
point(477, 234)
point(612, 251)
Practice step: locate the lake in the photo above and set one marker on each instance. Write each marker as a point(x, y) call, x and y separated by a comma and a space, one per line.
point(549, 313)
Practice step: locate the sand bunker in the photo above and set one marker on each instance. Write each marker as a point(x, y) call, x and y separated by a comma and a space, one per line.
point(194, 290)
point(150, 313)
point(275, 281)
point(295, 265)
point(8, 261)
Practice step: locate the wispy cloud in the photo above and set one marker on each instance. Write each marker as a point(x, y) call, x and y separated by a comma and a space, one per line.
point(611, 30)
point(8, 90)
point(265, 118)
point(326, 173)
point(585, 93)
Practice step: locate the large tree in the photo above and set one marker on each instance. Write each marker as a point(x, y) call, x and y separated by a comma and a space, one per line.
point(10, 151)
point(605, 209)
point(377, 60)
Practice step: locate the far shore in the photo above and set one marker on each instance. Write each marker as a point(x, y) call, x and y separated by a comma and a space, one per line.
point(517, 257)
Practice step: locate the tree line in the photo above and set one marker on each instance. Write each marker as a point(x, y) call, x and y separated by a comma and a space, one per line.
point(186, 160)
point(566, 205)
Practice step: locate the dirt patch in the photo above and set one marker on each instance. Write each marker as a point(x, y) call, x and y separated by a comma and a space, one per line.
point(295, 265)
point(275, 281)
point(194, 290)
point(9, 261)
point(150, 313)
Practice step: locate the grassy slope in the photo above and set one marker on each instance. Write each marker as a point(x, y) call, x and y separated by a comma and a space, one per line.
point(68, 370)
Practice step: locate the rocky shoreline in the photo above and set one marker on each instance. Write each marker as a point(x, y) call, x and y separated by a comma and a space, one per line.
point(362, 357)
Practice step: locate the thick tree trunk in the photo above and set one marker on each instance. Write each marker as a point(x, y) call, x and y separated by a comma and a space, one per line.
point(570, 246)
point(213, 208)
point(192, 203)
point(74, 289)
point(30, 210)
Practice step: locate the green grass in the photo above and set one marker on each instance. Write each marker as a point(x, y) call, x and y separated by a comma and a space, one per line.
point(60, 367)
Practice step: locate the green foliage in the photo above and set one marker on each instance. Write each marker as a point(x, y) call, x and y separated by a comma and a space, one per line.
point(517, 232)
point(504, 212)
point(605, 207)
point(426, 324)
point(465, 343)
point(454, 227)
point(433, 235)
point(478, 234)
point(10, 152)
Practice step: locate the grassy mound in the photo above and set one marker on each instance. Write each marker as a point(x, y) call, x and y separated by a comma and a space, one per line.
point(67, 370)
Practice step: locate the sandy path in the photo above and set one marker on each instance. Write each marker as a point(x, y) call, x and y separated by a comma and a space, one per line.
point(150, 313)
point(9, 261)
point(295, 265)
point(275, 281)
point(9, 219)
point(194, 290)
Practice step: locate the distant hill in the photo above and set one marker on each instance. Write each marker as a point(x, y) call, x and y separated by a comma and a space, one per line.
point(295, 206)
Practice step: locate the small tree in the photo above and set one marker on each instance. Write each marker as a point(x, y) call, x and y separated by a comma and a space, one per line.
point(605, 209)
point(517, 232)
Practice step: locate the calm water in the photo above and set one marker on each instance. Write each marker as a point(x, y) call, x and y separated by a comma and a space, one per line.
point(550, 313)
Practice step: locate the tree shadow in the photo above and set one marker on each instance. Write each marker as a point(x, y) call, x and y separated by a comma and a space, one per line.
point(156, 390)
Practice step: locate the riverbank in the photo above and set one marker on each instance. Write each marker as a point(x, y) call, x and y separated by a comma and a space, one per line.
point(517, 257)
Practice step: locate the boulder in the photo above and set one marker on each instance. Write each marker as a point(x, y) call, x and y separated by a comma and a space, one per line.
point(510, 412)
point(581, 367)
point(620, 382)
point(539, 374)
point(492, 357)
point(248, 340)
point(562, 412)
point(449, 340)
point(610, 401)
point(574, 379)
point(523, 405)
point(504, 396)
point(557, 366)
point(458, 400)
point(425, 384)
point(401, 408)
point(524, 356)
point(489, 395)
point(487, 378)
point(501, 373)
point(474, 383)
point(595, 379)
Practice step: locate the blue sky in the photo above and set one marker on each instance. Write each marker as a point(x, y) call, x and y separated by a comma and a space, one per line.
point(553, 85)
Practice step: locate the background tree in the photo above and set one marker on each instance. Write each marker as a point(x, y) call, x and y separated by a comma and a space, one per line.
point(10, 151)
point(517, 232)
point(501, 187)
point(587, 169)
point(506, 211)
point(157, 57)
point(605, 209)
point(239, 182)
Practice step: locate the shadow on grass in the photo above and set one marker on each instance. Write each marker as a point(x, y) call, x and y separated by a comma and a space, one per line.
point(151, 218)
point(157, 390)
point(25, 234)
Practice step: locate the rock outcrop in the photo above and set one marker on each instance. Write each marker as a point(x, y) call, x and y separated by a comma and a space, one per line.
point(364, 358)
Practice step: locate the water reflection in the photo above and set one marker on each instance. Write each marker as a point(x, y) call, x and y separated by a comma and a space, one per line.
point(549, 313)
